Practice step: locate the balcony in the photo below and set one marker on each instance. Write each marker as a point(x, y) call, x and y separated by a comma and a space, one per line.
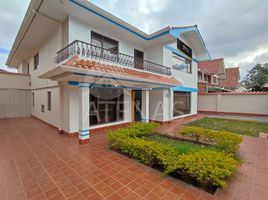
point(88, 51)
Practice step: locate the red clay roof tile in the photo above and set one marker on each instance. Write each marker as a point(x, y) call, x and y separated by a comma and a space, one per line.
point(112, 69)
point(212, 66)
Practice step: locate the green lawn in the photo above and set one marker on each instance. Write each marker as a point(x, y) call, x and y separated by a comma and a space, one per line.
point(236, 126)
point(181, 146)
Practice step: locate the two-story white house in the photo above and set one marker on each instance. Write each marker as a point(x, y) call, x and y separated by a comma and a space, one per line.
point(90, 69)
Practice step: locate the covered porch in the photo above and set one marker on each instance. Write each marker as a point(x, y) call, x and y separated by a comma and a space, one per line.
point(95, 95)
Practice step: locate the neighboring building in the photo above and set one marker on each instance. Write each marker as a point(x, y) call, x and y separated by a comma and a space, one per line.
point(91, 70)
point(241, 88)
point(213, 76)
point(265, 85)
point(231, 81)
point(209, 73)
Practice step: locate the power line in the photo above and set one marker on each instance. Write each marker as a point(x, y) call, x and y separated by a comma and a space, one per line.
point(239, 15)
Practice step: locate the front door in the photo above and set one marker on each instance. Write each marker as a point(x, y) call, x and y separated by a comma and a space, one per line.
point(137, 105)
point(138, 59)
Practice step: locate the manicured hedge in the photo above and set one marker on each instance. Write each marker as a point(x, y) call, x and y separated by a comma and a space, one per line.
point(224, 141)
point(207, 168)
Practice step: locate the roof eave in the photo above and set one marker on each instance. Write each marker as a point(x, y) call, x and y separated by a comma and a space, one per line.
point(29, 16)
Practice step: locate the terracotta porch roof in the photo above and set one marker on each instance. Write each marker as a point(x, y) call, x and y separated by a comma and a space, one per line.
point(116, 70)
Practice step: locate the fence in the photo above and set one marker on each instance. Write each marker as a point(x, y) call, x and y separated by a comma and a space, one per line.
point(15, 95)
point(247, 103)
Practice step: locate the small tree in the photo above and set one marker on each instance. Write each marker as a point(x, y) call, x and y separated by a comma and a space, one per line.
point(256, 77)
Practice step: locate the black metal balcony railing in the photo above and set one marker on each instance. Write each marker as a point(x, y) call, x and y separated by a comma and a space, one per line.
point(86, 50)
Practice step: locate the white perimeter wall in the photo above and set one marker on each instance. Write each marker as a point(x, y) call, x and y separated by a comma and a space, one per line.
point(14, 81)
point(15, 95)
point(235, 103)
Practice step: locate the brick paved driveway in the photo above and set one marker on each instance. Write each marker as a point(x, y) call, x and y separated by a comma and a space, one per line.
point(38, 163)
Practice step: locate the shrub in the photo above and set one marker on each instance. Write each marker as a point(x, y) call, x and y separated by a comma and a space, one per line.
point(225, 141)
point(148, 152)
point(208, 168)
point(139, 129)
point(134, 130)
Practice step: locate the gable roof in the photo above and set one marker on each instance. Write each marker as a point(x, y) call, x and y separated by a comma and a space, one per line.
point(232, 78)
point(214, 67)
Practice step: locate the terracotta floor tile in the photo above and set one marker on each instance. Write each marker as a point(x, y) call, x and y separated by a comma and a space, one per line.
point(41, 164)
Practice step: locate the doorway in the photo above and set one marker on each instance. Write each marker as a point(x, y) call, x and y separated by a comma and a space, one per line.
point(138, 59)
point(136, 105)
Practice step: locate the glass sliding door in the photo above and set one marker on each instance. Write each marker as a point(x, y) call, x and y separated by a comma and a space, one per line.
point(106, 105)
point(182, 103)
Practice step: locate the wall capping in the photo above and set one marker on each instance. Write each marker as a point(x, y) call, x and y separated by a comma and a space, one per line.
point(231, 113)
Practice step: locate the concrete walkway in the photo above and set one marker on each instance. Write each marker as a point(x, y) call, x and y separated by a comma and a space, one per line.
point(37, 163)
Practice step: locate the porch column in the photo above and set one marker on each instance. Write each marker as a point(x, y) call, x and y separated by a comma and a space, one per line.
point(145, 106)
point(83, 113)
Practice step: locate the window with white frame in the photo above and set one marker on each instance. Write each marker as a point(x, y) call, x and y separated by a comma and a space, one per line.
point(182, 103)
point(182, 64)
point(104, 42)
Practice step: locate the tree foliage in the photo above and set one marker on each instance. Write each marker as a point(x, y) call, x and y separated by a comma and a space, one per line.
point(256, 77)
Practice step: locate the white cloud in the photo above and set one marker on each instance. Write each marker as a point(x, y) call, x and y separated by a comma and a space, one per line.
point(11, 16)
point(233, 29)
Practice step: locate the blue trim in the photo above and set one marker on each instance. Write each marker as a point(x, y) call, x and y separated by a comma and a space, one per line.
point(120, 25)
point(185, 89)
point(86, 134)
point(120, 79)
point(176, 32)
point(173, 31)
point(83, 131)
point(74, 83)
point(179, 53)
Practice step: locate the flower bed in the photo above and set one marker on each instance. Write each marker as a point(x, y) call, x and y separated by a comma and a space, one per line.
point(207, 168)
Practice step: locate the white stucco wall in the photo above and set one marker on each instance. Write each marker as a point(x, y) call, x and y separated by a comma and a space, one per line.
point(47, 53)
point(234, 103)
point(40, 98)
point(79, 30)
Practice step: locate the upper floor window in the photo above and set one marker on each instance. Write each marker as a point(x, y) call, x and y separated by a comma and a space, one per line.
point(199, 76)
point(104, 42)
point(181, 63)
point(36, 61)
point(49, 100)
point(214, 79)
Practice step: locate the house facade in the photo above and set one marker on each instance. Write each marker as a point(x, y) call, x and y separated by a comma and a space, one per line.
point(213, 76)
point(89, 69)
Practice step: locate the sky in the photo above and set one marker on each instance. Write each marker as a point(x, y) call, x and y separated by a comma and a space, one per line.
point(233, 29)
